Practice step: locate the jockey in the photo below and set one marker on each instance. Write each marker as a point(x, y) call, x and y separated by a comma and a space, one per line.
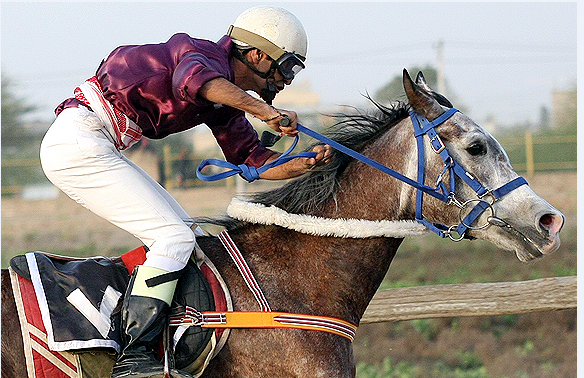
point(152, 91)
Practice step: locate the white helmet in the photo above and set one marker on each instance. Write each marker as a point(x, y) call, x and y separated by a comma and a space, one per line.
point(275, 31)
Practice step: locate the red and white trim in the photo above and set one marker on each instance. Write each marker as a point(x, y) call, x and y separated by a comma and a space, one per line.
point(41, 361)
point(244, 270)
point(122, 129)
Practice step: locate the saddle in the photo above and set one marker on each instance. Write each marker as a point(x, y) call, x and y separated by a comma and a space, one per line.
point(69, 310)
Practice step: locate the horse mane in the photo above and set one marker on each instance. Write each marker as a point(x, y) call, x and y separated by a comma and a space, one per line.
point(308, 193)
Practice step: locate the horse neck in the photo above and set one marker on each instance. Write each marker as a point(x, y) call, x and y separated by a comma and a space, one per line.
point(339, 276)
point(367, 193)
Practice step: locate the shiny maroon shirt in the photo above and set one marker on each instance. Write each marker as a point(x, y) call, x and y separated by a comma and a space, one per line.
point(156, 86)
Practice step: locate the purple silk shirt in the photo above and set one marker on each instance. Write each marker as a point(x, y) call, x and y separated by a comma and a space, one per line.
point(156, 86)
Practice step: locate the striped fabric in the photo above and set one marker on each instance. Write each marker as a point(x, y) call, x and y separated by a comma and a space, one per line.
point(122, 129)
point(244, 270)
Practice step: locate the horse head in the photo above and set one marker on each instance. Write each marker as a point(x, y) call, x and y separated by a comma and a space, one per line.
point(519, 220)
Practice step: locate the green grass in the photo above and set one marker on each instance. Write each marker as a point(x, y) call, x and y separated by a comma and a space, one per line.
point(470, 366)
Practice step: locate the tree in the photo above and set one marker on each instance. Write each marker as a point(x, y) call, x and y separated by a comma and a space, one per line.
point(13, 108)
point(394, 89)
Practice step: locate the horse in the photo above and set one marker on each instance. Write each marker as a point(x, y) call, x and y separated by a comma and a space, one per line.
point(329, 275)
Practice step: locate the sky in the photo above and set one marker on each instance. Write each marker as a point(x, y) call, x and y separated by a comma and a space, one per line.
point(502, 60)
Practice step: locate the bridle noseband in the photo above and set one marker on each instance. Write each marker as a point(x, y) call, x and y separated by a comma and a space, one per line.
point(424, 127)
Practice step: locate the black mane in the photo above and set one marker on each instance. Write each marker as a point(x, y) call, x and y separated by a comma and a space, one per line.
point(308, 193)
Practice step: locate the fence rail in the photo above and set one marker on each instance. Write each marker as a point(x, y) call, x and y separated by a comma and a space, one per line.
point(478, 299)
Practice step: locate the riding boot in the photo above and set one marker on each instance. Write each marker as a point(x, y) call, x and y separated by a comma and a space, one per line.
point(145, 310)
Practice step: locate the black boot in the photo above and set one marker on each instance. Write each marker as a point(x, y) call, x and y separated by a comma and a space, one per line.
point(144, 315)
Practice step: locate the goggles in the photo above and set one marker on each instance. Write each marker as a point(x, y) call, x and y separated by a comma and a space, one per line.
point(289, 65)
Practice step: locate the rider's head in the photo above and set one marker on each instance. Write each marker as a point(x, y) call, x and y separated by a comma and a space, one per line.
point(276, 32)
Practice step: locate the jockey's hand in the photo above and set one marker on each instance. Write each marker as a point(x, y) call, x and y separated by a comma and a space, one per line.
point(323, 153)
point(285, 124)
point(298, 166)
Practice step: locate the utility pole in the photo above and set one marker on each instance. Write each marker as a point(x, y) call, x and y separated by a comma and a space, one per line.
point(440, 68)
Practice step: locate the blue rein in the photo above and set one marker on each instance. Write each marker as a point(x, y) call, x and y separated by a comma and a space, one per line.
point(421, 127)
point(248, 173)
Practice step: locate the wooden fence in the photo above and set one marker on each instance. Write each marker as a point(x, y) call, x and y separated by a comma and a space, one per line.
point(555, 159)
point(478, 299)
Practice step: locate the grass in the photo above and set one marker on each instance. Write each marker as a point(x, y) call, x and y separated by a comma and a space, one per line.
point(470, 367)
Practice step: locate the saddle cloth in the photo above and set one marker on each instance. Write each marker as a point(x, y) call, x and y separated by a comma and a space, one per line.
point(70, 317)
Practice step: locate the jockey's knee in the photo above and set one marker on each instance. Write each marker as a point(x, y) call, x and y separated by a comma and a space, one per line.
point(173, 250)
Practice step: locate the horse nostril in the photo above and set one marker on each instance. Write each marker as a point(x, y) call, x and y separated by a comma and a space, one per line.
point(552, 223)
point(546, 220)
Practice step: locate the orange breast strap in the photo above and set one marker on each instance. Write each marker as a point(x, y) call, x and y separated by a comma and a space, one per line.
point(261, 319)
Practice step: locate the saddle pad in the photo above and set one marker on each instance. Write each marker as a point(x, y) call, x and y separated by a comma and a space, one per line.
point(75, 356)
point(77, 299)
point(41, 362)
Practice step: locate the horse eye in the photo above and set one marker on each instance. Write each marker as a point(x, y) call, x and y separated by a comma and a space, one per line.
point(477, 149)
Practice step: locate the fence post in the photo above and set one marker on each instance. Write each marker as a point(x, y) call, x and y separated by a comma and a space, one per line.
point(529, 153)
point(167, 167)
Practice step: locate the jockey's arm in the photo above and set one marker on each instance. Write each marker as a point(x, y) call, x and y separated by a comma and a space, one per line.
point(222, 91)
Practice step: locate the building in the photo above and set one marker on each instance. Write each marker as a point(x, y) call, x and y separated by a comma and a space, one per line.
point(564, 109)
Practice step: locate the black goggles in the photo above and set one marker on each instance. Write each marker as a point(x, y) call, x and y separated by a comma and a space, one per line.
point(289, 65)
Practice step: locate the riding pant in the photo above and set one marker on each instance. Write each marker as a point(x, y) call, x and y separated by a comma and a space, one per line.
point(79, 156)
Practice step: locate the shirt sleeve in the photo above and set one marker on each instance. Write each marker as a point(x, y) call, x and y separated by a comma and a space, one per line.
point(192, 72)
point(238, 139)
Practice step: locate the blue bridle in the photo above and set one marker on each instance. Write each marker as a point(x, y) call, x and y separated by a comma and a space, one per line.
point(424, 127)
point(421, 127)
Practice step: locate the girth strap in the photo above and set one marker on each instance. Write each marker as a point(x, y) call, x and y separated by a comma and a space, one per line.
point(266, 320)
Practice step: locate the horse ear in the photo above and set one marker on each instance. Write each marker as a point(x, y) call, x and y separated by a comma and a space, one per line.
point(421, 81)
point(420, 98)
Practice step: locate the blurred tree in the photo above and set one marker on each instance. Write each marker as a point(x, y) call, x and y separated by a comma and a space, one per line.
point(13, 108)
point(394, 89)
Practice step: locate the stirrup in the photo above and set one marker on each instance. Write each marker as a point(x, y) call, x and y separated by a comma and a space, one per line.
point(143, 365)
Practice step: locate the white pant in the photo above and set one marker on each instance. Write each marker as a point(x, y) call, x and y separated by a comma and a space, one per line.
point(79, 157)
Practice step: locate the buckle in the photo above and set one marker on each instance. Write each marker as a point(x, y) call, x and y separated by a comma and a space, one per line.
point(437, 144)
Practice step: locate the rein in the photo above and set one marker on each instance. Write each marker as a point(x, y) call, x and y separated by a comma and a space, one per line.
point(422, 126)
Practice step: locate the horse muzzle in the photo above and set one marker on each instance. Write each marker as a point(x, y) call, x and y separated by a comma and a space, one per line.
point(542, 238)
point(550, 225)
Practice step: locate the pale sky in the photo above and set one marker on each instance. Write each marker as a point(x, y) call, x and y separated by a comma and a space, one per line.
point(500, 59)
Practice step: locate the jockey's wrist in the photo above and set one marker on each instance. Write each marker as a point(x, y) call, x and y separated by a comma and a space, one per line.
point(278, 115)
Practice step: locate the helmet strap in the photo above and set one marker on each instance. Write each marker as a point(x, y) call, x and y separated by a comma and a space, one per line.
point(269, 93)
point(264, 75)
